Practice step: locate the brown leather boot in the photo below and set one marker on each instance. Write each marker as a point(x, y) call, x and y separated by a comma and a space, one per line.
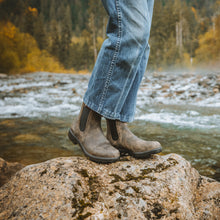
point(86, 131)
point(125, 141)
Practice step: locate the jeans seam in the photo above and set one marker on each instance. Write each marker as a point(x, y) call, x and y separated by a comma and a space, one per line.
point(114, 58)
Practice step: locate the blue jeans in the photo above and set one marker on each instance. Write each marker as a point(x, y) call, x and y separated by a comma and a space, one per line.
point(122, 60)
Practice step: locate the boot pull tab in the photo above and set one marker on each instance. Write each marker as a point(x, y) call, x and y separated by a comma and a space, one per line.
point(83, 118)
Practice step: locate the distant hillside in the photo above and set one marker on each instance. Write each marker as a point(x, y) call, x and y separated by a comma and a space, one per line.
point(72, 31)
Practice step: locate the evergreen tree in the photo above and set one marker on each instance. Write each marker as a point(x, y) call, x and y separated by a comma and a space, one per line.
point(40, 33)
point(95, 23)
point(72, 30)
point(30, 17)
point(55, 42)
point(66, 30)
point(52, 13)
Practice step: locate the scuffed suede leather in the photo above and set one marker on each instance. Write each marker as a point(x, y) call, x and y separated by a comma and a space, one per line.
point(92, 138)
point(127, 140)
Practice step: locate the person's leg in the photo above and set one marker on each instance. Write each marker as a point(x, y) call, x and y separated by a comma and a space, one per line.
point(117, 132)
point(116, 74)
point(130, 102)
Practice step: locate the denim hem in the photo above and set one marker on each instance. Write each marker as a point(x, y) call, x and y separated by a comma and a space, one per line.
point(106, 113)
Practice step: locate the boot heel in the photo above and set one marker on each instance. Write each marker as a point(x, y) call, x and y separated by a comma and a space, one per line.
point(72, 138)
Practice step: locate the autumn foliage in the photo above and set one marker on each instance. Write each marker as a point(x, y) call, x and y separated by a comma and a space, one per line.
point(209, 45)
point(66, 36)
point(20, 52)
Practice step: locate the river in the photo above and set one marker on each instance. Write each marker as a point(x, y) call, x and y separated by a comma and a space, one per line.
point(181, 110)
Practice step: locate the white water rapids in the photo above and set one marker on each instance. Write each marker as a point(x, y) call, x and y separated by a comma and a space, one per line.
point(186, 100)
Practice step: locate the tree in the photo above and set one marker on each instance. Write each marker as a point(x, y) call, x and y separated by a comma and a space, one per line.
point(55, 41)
point(31, 15)
point(40, 33)
point(66, 30)
point(95, 12)
point(209, 45)
point(181, 29)
point(19, 55)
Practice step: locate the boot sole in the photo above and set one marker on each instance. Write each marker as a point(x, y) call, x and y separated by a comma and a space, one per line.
point(138, 155)
point(96, 159)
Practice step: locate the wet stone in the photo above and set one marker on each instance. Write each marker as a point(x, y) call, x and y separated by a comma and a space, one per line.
point(7, 170)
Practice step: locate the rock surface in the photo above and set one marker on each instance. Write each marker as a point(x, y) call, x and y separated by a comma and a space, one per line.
point(161, 187)
point(7, 170)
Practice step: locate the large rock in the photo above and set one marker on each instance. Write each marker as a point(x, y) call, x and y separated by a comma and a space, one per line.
point(162, 187)
point(7, 170)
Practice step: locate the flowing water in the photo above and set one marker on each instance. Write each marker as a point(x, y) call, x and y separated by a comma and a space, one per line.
point(182, 111)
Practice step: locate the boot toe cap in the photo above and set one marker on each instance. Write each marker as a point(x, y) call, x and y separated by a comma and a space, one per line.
point(107, 151)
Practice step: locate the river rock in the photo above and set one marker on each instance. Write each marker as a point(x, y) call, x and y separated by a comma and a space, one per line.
point(7, 170)
point(3, 75)
point(161, 187)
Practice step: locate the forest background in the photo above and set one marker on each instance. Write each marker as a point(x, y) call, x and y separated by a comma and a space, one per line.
point(66, 36)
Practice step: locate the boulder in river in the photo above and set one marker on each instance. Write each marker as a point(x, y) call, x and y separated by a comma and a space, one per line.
point(161, 187)
point(7, 170)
